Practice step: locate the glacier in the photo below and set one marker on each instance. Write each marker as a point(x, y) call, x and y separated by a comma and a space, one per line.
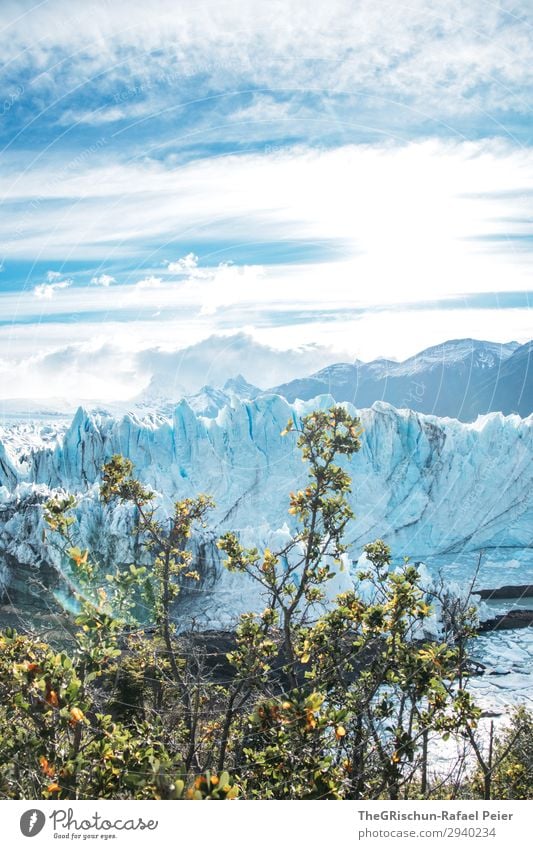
point(433, 488)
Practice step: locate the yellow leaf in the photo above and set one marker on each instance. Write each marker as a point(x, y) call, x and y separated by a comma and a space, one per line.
point(45, 766)
point(76, 715)
point(52, 699)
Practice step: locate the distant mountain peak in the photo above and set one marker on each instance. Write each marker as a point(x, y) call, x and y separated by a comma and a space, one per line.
point(337, 370)
point(239, 386)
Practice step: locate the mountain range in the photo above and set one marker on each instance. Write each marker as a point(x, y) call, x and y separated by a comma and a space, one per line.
point(459, 379)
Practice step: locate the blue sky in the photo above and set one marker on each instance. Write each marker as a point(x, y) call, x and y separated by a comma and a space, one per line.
point(350, 181)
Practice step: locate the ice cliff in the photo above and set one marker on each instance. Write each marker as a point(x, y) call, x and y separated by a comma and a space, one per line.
point(426, 485)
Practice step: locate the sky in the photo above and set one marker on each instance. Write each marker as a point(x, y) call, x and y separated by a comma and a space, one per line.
point(270, 186)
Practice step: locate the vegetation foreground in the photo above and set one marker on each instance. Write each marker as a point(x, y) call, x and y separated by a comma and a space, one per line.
point(336, 701)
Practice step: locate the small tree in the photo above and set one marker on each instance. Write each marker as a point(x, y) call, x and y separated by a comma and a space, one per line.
point(509, 766)
point(361, 690)
point(74, 737)
point(293, 578)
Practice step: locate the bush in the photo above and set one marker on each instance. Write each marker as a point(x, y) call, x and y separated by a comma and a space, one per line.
point(510, 766)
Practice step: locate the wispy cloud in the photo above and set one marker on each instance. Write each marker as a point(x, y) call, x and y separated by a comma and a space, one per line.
point(423, 208)
point(150, 282)
point(447, 56)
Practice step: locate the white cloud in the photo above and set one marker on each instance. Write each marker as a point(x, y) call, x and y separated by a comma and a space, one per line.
point(107, 114)
point(213, 360)
point(150, 282)
point(437, 55)
point(187, 265)
point(46, 291)
point(107, 372)
point(213, 287)
point(399, 333)
point(75, 372)
point(405, 219)
point(103, 280)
